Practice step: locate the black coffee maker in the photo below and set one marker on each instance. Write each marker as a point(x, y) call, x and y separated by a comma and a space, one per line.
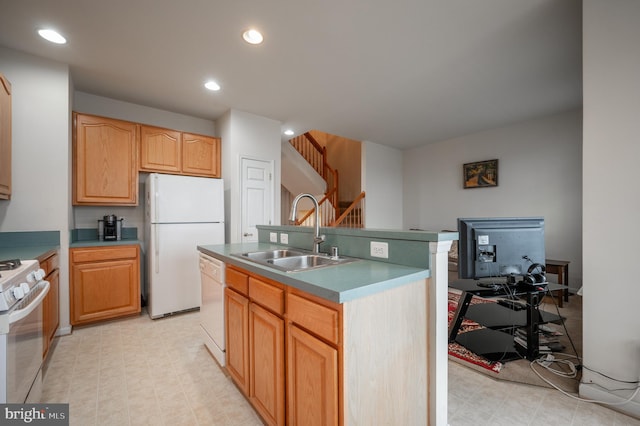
point(110, 228)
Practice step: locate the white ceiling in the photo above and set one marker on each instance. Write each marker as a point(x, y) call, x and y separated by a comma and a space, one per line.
point(401, 73)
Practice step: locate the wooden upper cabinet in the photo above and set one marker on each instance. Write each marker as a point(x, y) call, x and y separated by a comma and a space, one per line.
point(200, 155)
point(171, 151)
point(160, 150)
point(5, 138)
point(105, 161)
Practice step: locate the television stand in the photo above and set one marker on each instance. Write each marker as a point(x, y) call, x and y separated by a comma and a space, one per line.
point(496, 341)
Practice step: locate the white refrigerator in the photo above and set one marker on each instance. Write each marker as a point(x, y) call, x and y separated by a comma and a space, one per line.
point(182, 212)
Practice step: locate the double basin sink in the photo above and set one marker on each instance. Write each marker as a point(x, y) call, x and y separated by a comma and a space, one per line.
point(288, 260)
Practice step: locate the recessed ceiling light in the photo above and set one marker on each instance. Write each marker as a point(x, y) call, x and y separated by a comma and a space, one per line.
point(288, 132)
point(212, 85)
point(52, 36)
point(252, 36)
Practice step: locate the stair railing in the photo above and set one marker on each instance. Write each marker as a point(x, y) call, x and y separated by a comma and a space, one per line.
point(316, 155)
point(352, 215)
point(327, 212)
point(350, 218)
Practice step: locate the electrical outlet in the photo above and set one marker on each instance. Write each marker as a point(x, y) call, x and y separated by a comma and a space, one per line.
point(273, 237)
point(284, 238)
point(379, 249)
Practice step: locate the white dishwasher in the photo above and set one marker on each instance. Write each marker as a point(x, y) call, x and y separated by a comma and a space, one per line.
point(212, 307)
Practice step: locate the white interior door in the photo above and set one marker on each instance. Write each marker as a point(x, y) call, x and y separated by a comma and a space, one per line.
point(257, 197)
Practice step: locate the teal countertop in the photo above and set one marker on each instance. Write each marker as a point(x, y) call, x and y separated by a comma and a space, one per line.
point(29, 245)
point(38, 252)
point(82, 237)
point(340, 283)
point(100, 243)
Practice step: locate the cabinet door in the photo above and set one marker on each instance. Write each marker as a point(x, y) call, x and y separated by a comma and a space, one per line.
point(103, 290)
point(237, 331)
point(266, 342)
point(200, 155)
point(5, 138)
point(160, 150)
point(105, 165)
point(312, 380)
point(50, 314)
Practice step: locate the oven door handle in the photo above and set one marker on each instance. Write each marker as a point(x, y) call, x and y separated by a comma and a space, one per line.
point(19, 314)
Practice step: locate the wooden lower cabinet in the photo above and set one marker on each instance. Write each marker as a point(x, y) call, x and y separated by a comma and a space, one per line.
point(312, 380)
point(104, 283)
point(360, 362)
point(51, 302)
point(255, 342)
point(266, 348)
point(237, 335)
point(284, 388)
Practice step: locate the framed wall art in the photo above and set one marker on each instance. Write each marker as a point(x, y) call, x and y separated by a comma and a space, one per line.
point(480, 174)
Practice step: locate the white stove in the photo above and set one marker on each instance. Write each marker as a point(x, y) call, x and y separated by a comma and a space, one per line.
point(22, 290)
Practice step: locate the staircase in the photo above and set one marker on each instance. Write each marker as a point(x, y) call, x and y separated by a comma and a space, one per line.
point(333, 213)
point(350, 214)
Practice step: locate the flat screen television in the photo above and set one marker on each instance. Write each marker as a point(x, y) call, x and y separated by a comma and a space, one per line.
point(499, 246)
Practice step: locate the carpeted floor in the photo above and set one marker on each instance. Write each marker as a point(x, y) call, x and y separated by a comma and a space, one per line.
point(521, 371)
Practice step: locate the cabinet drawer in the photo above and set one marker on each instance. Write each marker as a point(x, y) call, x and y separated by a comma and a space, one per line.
point(268, 295)
point(237, 280)
point(50, 264)
point(79, 255)
point(317, 318)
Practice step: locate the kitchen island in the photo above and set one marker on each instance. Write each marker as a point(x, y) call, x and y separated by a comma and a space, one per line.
point(358, 343)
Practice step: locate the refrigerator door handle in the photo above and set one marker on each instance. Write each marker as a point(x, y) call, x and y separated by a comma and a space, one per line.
point(157, 249)
point(155, 196)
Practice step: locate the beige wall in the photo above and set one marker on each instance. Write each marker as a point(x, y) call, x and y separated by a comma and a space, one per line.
point(611, 203)
point(41, 167)
point(539, 174)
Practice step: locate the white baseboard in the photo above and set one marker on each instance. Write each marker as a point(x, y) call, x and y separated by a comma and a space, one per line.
point(591, 391)
point(63, 331)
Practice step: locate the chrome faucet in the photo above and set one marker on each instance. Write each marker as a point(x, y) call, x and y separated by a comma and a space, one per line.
point(317, 238)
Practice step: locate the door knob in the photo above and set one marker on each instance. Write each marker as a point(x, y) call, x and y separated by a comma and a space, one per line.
point(246, 234)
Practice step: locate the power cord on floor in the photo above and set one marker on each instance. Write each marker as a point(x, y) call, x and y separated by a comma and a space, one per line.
point(545, 359)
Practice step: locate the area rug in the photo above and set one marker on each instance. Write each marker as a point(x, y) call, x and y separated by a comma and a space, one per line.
point(459, 351)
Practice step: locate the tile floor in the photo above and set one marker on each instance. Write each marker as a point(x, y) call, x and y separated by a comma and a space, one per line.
point(143, 372)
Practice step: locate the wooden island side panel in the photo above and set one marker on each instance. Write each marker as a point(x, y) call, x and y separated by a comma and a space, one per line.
point(385, 357)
